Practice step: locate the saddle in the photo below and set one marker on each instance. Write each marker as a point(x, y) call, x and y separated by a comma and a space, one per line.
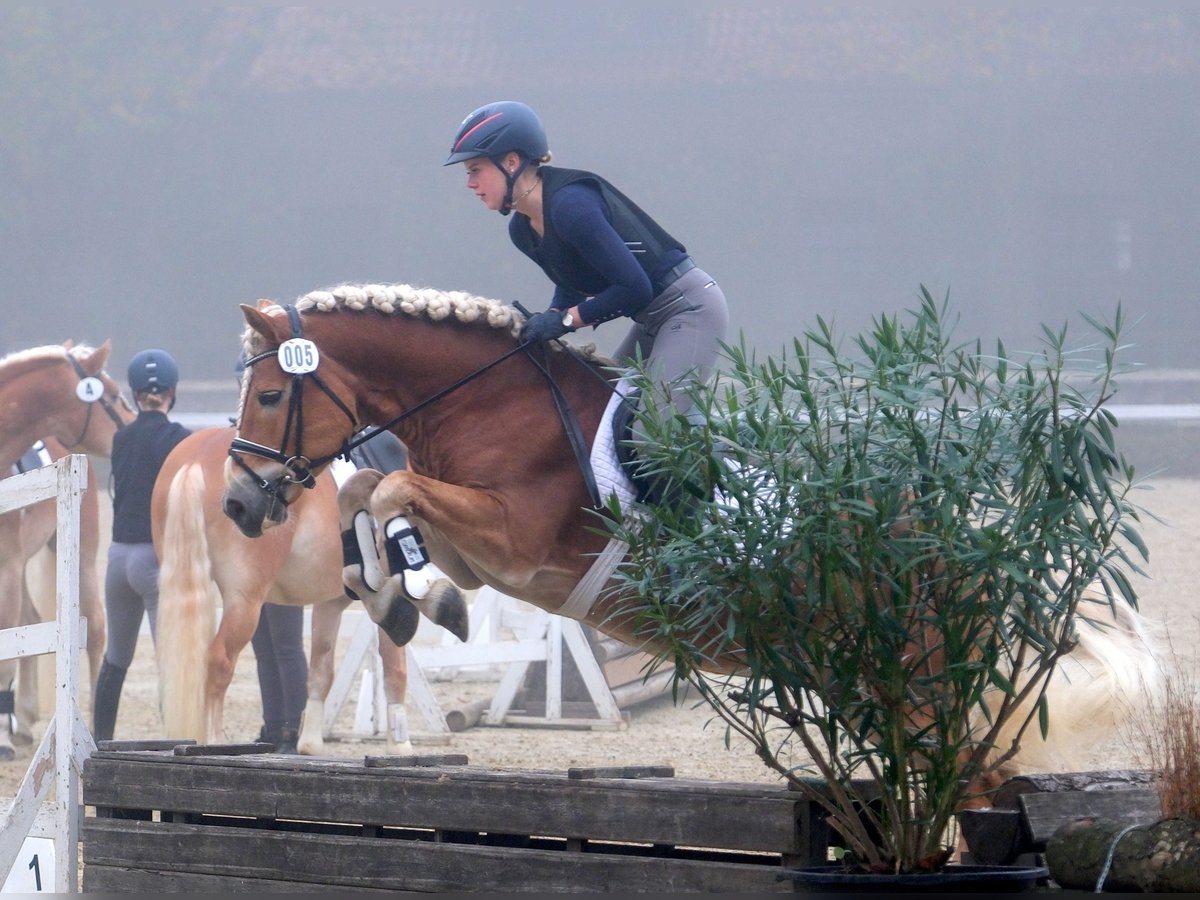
point(34, 458)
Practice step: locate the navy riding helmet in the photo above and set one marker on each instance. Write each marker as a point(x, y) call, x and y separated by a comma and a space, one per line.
point(496, 129)
point(153, 371)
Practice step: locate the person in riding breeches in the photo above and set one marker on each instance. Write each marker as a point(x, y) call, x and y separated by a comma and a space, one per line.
point(131, 580)
point(606, 257)
point(278, 643)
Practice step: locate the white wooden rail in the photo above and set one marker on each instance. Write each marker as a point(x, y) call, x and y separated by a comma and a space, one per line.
point(46, 804)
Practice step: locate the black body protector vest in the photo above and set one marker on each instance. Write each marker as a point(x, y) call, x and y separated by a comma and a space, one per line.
point(648, 241)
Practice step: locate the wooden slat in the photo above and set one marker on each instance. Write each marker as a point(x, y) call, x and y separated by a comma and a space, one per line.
point(342, 861)
point(133, 879)
point(1048, 782)
point(1045, 813)
point(461, 798)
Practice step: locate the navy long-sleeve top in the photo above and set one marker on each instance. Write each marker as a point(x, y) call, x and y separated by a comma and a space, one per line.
point(138, 452)
point(592, 264)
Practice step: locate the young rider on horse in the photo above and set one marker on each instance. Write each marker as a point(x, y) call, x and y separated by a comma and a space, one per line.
point(131, 580)
point(606, 257)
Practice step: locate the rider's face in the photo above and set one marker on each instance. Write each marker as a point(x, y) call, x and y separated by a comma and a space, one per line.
point(486, 181)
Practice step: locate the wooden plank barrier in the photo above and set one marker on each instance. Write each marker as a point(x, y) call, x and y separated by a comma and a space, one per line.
point(165, 822)
point(1028, 809)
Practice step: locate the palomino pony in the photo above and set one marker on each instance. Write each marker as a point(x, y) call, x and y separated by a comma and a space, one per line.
point(61, 394)
point(206, 561)
point(495, 488)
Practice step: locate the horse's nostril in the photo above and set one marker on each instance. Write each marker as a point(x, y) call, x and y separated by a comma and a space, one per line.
point(233, 508)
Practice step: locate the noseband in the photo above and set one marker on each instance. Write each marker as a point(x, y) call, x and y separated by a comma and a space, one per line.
point(101, 399)
point(297, 468)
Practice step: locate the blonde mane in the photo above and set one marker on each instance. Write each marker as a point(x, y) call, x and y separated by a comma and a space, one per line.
point(429, 303)
point(20, 362)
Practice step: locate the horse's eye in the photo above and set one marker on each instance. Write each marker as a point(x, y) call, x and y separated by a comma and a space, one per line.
point(269, 398)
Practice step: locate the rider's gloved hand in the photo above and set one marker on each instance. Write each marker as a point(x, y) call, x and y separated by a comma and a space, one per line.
point(544, 326)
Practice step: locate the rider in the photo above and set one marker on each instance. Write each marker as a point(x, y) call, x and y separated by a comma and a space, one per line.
point(131, 581)
point(606, 257)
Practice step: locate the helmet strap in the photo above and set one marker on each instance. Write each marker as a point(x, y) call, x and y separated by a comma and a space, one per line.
point(510, 179)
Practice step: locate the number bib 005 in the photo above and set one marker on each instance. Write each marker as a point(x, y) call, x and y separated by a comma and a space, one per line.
point(298, 356)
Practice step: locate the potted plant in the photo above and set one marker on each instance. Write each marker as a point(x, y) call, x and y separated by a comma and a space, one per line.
point(896, 541)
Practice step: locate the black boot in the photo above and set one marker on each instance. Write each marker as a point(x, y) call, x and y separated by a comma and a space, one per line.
point(289, 737)
point(269, 734)
point(108, 697)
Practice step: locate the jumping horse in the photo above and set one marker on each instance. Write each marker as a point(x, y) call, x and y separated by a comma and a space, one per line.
point(207, 563)
point(62, 396)
point(495, 489)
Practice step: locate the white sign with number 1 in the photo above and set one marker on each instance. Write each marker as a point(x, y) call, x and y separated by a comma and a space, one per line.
point(33, 872)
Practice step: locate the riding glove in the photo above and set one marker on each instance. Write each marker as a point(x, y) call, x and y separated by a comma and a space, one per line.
point(544, 326)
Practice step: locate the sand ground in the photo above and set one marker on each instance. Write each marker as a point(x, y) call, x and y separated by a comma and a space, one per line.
point(684, 735)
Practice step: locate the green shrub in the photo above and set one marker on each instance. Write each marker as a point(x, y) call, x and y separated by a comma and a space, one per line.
point(882, 536)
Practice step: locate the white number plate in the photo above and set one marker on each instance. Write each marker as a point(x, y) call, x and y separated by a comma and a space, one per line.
point(298, 356)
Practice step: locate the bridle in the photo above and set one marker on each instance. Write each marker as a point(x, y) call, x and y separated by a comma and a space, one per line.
point(83, 391)
point(298, 468)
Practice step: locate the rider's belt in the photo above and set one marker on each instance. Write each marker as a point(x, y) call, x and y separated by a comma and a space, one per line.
point(672, 275)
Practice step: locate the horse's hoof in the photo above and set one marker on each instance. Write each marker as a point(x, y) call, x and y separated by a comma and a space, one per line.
point(401, 619)
point(7, 754)
point(22, 738)
point(450, 610)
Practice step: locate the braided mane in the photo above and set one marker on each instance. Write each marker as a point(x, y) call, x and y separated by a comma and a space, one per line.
point(429, 303)
point(403, 298)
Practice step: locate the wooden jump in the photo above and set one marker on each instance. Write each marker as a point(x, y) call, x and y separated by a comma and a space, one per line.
point(193, 820)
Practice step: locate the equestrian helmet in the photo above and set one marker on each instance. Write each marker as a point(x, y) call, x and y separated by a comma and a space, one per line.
point(153, 371)
point(499, 128)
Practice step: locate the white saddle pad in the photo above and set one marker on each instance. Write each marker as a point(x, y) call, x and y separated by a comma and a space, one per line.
point(610, 477)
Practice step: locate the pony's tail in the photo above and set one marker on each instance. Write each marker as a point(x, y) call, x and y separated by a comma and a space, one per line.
point(187, 604)
point(1111, 676)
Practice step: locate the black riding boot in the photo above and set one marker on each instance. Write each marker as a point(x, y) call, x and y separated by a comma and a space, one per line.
point(289, 737)
point(108, 697)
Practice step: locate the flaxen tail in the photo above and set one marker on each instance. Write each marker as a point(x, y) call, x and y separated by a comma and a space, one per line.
point(1113, 675)
point(187, 606)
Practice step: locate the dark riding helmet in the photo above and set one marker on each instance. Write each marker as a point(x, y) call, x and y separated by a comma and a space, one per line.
point(499, 128)
point(153, 371)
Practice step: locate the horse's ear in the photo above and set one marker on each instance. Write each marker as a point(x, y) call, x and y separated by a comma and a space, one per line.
point(95, 361)
point(256, 320)
point(103, 351)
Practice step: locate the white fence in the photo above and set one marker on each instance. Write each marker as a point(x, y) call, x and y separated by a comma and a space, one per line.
point(45, 809)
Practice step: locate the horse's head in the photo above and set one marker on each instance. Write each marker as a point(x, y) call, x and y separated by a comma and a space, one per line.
point(92, 407)
point(296, 415)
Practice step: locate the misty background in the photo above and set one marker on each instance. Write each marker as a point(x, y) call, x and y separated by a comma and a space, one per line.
point(162, 163)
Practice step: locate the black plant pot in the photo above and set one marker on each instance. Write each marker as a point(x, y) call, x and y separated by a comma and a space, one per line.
point(953, 879)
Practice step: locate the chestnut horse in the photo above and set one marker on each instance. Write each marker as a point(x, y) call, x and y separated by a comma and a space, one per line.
point(62, 395)
point(206, 562)
point(494, 487)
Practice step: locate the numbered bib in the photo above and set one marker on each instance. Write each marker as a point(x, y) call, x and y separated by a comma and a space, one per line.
point(89, 389)
point(298, 356)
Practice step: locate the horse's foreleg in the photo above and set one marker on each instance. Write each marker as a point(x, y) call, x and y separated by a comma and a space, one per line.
point(395, 687)
point(28, 705)
point(474, 521)
point(363, 576)
point(237, 625)
point(326, 620)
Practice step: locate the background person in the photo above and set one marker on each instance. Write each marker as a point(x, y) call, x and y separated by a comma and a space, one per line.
point(131, 581)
